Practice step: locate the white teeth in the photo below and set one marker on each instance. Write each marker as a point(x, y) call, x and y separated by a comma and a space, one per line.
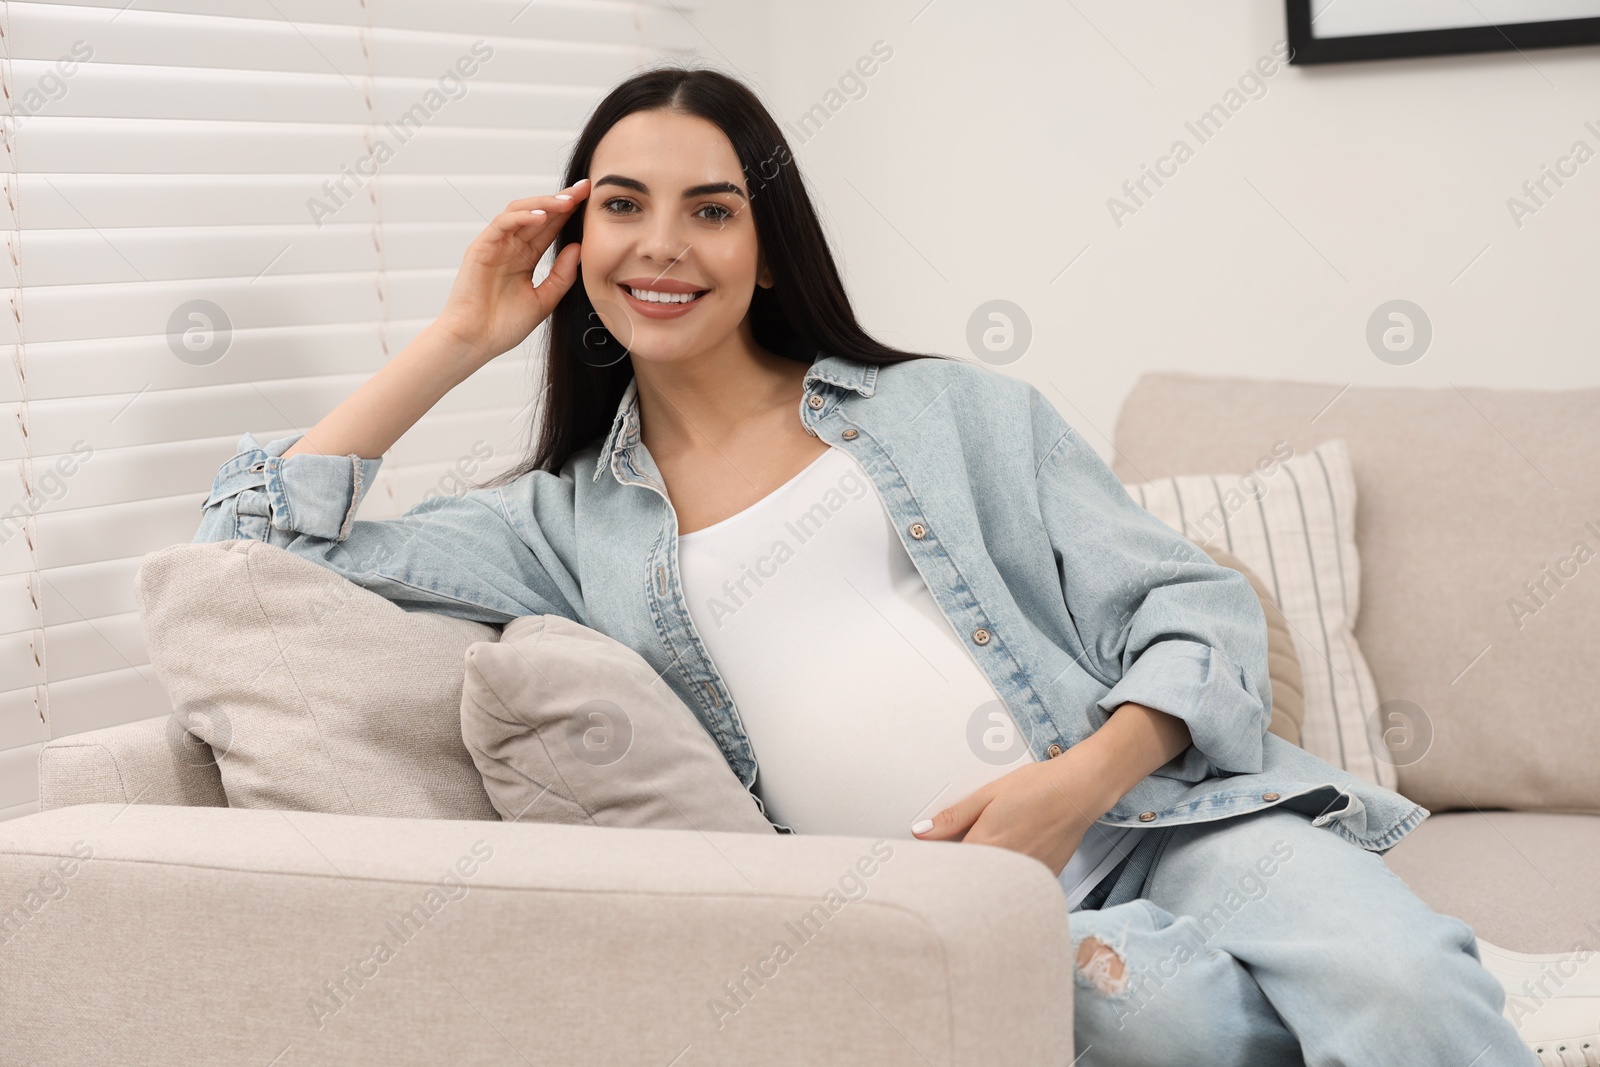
point(662, 298)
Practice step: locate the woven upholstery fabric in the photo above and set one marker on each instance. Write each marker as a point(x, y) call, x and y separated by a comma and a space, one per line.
point(567, 724)
point(313, 693)
point(514, 943)
point(135, 763)
point(1522, 880)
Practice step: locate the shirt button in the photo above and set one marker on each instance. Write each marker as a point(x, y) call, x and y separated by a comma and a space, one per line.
point(1054, 751)
point(814, 401)
point(1269, 796)
point(849, 435)
point(981, 636)
point(918, 530)
point(1146, 816)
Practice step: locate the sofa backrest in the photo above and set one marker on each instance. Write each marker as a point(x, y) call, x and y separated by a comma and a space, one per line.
point(1478, 528)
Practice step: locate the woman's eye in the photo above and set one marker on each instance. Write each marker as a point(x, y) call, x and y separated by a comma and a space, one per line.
point(723, 213)
point(617, 200)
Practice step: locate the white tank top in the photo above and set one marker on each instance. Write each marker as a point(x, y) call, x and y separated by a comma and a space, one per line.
point(864, 707)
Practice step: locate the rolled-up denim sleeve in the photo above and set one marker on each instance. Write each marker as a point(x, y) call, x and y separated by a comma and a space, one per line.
point(260, 495)
point(452, 555)
point(1159, 621)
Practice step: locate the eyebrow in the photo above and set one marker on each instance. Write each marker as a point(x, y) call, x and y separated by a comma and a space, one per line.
point(688, 194)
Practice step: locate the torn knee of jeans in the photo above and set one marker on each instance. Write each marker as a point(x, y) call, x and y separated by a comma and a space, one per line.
point(1101, 966)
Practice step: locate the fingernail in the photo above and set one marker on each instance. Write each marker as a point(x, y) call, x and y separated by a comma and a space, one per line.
point(537, 211)
point(922, 827)
point(579, 182)
point(563, 196)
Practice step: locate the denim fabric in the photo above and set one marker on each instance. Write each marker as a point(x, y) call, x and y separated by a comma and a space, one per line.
point(1069, 596)
point(1262, 941)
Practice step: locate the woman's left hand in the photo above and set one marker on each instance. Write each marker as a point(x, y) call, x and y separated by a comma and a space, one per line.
point(1040, 809)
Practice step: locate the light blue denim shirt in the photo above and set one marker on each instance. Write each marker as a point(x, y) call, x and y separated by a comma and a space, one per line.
point(1070, 597)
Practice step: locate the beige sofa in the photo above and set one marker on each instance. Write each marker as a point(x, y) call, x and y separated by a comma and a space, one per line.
point(165, 928)
point(1464, 496)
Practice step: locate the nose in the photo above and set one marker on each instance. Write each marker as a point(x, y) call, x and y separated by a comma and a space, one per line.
point(662, 242)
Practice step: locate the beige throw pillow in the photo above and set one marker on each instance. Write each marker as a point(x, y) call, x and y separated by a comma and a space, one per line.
point(569, 725)
point(309, 692)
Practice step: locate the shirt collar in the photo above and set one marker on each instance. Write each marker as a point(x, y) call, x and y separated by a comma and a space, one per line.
point(835, 370)
point(624, 428)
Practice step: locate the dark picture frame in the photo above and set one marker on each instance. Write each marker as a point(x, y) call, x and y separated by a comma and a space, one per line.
point(1554, 33)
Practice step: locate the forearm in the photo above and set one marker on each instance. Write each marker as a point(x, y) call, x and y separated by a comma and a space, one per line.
point(389, 403)
point(1135, 741)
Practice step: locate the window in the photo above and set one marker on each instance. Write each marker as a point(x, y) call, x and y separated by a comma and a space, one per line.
point(224, 215)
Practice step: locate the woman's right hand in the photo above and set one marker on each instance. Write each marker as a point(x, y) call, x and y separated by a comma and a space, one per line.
point(493, 304)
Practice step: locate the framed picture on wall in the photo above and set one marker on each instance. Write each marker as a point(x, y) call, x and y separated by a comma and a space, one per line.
point(1334, 31)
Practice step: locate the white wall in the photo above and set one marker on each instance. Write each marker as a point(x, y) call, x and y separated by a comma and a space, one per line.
point(980, 159)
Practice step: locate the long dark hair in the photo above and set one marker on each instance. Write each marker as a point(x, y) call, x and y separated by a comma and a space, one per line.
point(805, 312)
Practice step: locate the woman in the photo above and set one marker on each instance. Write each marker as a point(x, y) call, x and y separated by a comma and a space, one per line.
point(1106, 710)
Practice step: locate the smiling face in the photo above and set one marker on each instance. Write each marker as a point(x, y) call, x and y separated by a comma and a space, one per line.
point(667, 216)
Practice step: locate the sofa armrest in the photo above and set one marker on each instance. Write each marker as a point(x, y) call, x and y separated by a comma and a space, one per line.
point(173, 935)
point(136, 763)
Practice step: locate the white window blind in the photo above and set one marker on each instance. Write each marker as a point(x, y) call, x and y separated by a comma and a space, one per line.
point(223, 216)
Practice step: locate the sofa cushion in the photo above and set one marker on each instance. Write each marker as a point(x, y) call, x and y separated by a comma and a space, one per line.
point(1478, 608)
point(1283, 664)
point(1522, 880)
point(569, 725)
point(313, 693)
point(1291, 519)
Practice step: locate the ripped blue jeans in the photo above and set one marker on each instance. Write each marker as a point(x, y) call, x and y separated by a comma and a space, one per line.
point(1265, 941)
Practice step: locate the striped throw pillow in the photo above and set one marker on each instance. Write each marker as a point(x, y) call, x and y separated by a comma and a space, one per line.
point(1291, 519)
